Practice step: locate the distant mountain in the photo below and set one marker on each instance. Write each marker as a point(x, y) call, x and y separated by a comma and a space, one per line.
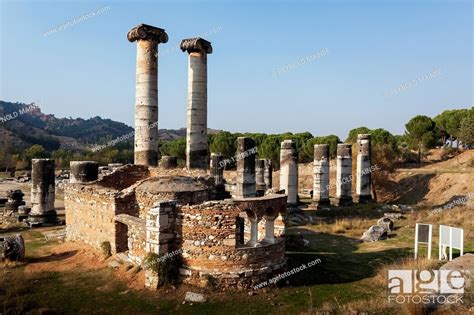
point(22, 125)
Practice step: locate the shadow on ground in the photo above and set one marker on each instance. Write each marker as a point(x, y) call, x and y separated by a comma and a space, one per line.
point(52, 257)
point(341, 259)
point(410, 190)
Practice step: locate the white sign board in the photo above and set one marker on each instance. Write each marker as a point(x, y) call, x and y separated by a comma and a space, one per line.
point(450, 237)
point(423, 233)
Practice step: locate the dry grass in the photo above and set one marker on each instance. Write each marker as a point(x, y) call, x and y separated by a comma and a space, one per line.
point(13, 287)
point(470, 163)
point(379, 304)
point(353, 227)
point(460, 216)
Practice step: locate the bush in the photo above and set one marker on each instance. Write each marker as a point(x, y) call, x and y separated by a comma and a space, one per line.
point(106, 249)
point(165, 267)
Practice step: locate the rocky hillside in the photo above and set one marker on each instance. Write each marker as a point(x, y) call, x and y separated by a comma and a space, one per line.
point(22, 125)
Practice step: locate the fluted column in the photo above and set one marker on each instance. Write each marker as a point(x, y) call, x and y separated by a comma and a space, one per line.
point(146, 92)
point(196, 132)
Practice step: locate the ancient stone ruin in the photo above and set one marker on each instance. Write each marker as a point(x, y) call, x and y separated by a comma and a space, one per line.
point(14, 201)
point(196, 132)
point(146, 95)
point(43, 193)
point(143, 210)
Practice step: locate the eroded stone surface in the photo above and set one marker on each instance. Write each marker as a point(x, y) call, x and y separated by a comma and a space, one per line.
point(374, 233)
point(289, 171)
point(364, 171)
point(196, 132)
point(12, 247)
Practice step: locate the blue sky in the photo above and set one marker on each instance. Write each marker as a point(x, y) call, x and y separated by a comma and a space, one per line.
point(88, 69)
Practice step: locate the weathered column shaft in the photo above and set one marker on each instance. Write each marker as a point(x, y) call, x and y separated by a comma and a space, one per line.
point(253, 232)
point(268, 174)
point(259, 174)
point(168, 162)
point(289, 171)
point(321, 175)
point(42, 189)
point(245, 168)
point(269, 229)
point(146, 92)
point(83, 171)
point(217, 169)
point(364, 177)
point(146, 104)
point(344, 174)
point(196, 132)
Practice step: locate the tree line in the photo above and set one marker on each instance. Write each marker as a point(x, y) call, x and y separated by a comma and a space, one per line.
point(421, 134)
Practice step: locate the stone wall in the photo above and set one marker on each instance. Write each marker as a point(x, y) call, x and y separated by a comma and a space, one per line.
point(135, 236)
point(90, 213)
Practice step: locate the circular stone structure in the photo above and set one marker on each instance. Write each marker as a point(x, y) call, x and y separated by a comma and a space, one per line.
point(83, 171)
point(185, 190)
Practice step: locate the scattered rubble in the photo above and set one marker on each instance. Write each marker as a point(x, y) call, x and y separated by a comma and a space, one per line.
point(393, 216)
point(12, 247)
point(375, 233)
point(296, 218)
point(398, 208)
point(59, 235)
point(386, 223)
point(295, 240)
point(192, 297)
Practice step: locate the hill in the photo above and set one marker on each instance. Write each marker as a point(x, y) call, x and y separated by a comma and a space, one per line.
point(22, 125)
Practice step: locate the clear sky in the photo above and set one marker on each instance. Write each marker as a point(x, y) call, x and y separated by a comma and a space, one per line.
point(371, 48)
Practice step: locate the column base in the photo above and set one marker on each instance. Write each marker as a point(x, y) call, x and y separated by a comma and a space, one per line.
point(260, 190)
point(47, 219)
point(364, 199)
point(344, 201)
point(320, 204)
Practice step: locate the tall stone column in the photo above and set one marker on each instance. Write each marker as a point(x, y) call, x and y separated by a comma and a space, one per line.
point(245, 168)
point(42, 192)
point(321, 176)
point(289, 171)
point(83, 171)
point(344, 175)
point(268, 173)
point(196, 132)
point(217, 169)
point(146, 92)
point(260, 178)
point(364, 177)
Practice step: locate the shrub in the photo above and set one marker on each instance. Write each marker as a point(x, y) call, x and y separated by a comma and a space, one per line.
point(165, 267)
point(106, 249)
